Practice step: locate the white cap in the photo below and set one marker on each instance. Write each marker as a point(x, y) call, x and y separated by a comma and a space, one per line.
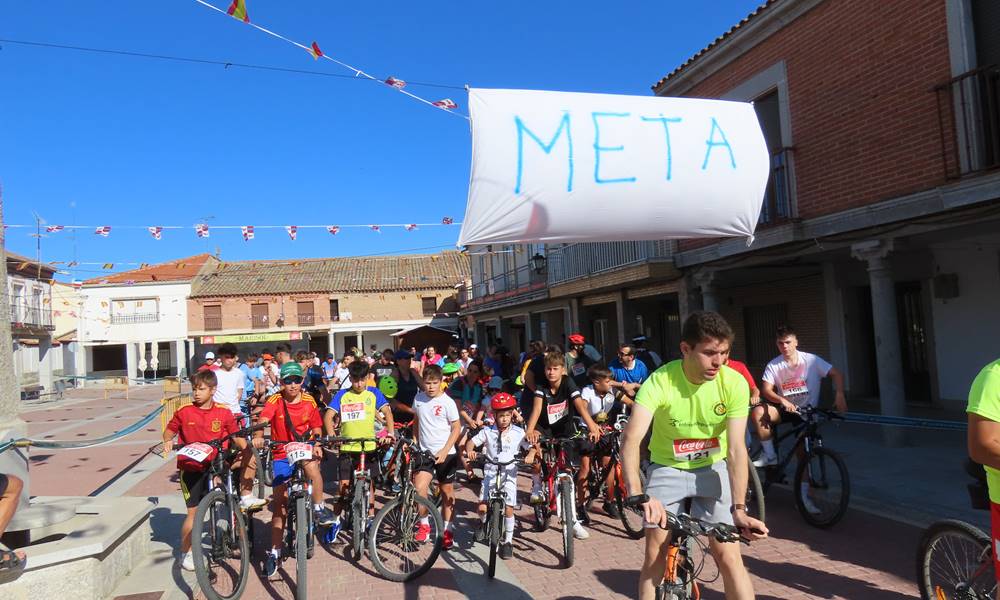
point(473, 347)
point(210, 356)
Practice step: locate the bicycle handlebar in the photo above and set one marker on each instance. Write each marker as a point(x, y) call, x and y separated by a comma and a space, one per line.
point(688, 525)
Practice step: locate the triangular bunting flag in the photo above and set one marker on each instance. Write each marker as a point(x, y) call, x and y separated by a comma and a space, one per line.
point(447, 104)
point(156, 232)
point(201, 230)
point(447, 221)
point(293, 230)
point(396, 83)
point(315, 51)
point(103, 230)
point(238, 10)
point(410, 227)
point(54, 228)
point(376, 228)
point(247, 232)
point(333, 229)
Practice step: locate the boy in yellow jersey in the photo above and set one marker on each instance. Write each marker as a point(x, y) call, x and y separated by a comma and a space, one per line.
point(698, 410)
point(984, 441)
point(355, 410)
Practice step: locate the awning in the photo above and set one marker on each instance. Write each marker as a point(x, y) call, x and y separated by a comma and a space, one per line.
point(405, 331)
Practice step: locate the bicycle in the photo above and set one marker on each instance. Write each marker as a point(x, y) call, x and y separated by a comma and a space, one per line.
point(220, 542)
point(955, 558)
point(359, 492)
point(823, 469)
point(392, 540)
point(558, 478)
point(496, 507)
point(597, 479)
point(681, 576)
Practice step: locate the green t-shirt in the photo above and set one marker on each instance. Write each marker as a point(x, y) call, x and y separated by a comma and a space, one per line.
point(984, 400)
point(689, 421)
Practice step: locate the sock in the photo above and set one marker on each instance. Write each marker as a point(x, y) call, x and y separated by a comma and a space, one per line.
point(768, 446)
point(508, 534)
point(425, 521)
point(317, 506)
point(482, 517)
point(447, 525)
point(275, 552)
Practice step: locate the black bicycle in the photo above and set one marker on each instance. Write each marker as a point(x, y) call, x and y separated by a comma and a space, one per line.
point(220, 543)
point(496, 509)
point(684, 562)
point(823, 502)
point(954, 558)
point(610, 445)
point(394, 546)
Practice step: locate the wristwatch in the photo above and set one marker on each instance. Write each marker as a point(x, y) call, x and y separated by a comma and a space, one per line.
point(737, 507)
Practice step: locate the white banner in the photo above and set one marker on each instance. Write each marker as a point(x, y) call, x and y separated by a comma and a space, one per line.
point(570, 167)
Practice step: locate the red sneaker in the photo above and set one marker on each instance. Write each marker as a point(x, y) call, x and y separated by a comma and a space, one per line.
point(423, 531)
point(449, 539)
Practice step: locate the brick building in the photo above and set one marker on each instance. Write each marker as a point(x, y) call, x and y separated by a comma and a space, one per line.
point(879, 237)
point(328, 304)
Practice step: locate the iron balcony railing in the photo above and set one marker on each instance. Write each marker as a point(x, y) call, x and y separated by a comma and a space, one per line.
point(307, 319)
point(213, 323)
point(134, 318)
point(573, 261)
point(969, 121)
point(516, 281)
point(777, 197)
point(24, 315)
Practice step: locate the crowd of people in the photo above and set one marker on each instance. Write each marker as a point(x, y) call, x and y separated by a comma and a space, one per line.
point(464, 399)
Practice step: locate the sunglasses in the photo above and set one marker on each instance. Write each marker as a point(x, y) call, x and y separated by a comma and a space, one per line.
point(292, 380)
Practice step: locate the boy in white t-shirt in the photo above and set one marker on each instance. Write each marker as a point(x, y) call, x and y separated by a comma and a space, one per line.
point(604, 408)
point(436, 428)
point(501, 443)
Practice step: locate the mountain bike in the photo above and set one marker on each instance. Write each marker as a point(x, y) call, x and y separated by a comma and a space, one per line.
point(359, 493)
point(392, 544)
point(496, 508)
point(680, 579)
point(219, 540)
point(560, 490)
point(955, 559)
point(829, 486)
point(610, 445)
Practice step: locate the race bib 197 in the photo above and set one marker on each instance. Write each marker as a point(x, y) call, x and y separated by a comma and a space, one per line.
point(352, 412)
point(197, 452)
point(691, 450)
point(558, 411)
point(296, 451)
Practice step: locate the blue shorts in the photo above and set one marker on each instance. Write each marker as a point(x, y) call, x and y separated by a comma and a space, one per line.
point(282, 472)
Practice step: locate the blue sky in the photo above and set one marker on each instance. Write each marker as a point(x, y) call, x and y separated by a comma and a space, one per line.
point(99, 139)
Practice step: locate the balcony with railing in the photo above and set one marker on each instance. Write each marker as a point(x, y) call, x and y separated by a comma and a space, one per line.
point(574, 261)
point(777, 207)
point(307, 319)
point(969, 121)
point(135, 318)
point(213, 323)
point(25, 316)
point(515, 282)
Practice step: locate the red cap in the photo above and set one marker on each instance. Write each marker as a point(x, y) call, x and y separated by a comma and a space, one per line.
point(577, 338)
point(503, 401)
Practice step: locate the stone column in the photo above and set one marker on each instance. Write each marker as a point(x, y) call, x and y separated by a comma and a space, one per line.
point(892, 399)
point(45, 362)
point(705, 280)
point(361, 342)
point(331, 344)
point(835, 321)
point(178, 357)
point(620, 316)
point(15, 460)
point(131, 360)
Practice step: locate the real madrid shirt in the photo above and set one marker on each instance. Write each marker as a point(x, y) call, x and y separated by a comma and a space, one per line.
point(689, 420)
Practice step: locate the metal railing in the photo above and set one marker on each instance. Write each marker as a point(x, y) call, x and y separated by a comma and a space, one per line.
point(969, 121)
point(259, 322)
point(29, 316)
point(777, 197)
point(521, 279)
point(213, 323)
point(307, 319)
point(130, 319)
point(573, 261)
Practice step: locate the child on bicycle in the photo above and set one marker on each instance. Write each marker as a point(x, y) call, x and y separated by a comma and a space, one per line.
point(604, 408)
point(355, 410)
point(500, 441)
point(200, 421)
point(293, 416)
point(436, 428)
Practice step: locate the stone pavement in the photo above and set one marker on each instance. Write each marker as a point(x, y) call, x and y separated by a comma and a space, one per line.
point(865, 556)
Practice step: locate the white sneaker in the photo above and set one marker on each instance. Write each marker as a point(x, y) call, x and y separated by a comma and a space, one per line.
point(765, 461)
point(807, 503)
point(579, 532)
point(187, 563)
point(250, 501)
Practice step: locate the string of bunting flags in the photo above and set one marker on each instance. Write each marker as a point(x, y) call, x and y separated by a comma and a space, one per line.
point(238, 10)
point(203, 230)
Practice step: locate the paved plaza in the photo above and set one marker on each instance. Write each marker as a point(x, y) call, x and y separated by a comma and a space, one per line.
point(867, 555)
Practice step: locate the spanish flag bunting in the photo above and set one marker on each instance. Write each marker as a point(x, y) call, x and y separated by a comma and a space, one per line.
point(109, 266)
point(315, 51)
point(238, 10)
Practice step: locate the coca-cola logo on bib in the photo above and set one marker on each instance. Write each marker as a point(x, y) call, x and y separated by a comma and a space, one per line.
point(695, 445)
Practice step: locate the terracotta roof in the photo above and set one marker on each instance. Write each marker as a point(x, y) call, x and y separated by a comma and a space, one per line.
point(182, 269)
point(756, 13)
point(15, 262)
point(346, 274)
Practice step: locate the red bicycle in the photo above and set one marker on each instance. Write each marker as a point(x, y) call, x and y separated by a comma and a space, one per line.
point(558, 474)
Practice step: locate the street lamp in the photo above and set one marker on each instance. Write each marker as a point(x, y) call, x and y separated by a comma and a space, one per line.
point(538, 263)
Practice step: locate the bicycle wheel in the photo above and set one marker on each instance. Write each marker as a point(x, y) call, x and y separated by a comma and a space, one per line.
point(567, 510)
point(755, 493)
point(631, 516)
point(263, 468)
point(392, 545)
point(219, 547)
point(359, 512)
point(495, 523)
point(301, 546)
point(954, 560)
point(825, 501)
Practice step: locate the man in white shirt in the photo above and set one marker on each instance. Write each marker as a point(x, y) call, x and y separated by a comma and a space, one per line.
point(229, 392)
point(436, 428)
point(791, 382)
